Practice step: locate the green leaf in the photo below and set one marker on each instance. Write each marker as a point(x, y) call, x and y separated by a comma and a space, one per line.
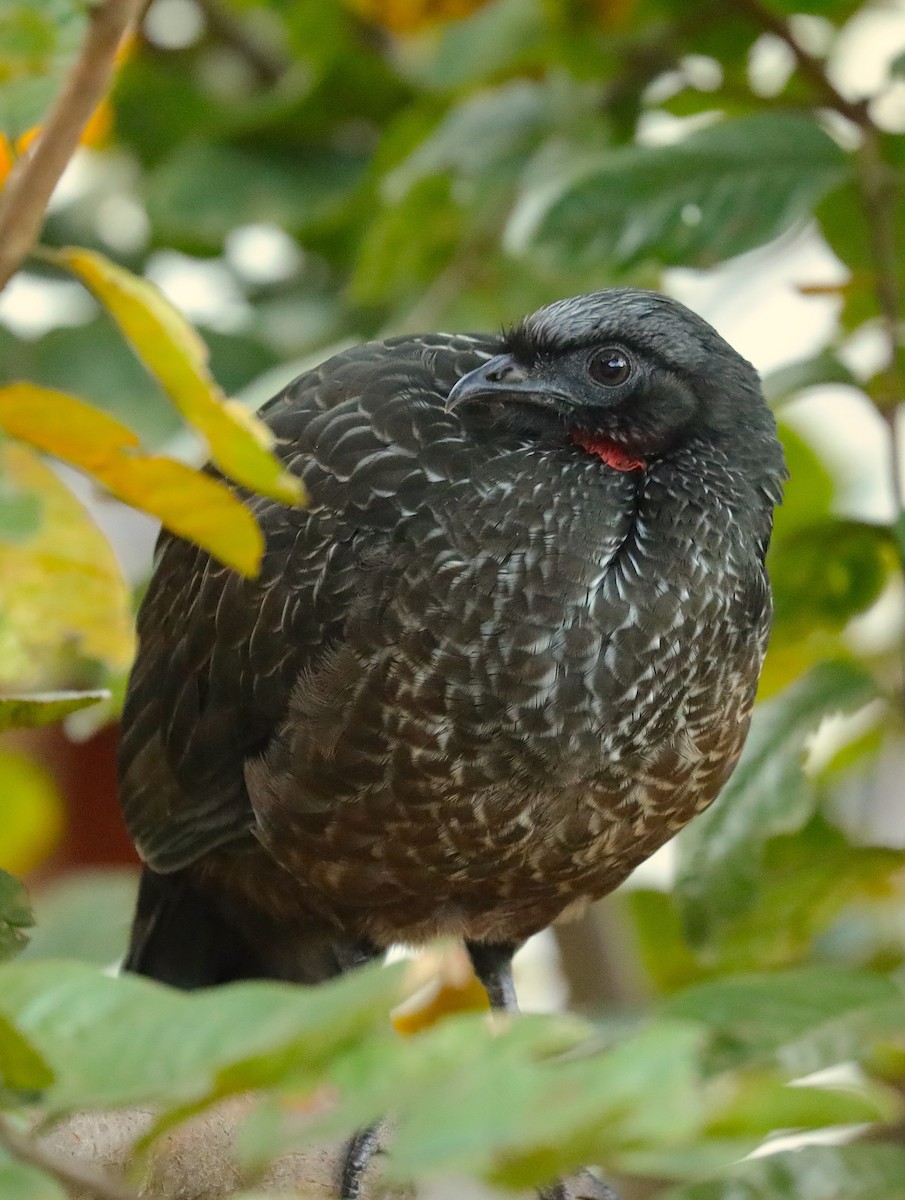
point(18, 1182)
point(762, 1106)
point(809, 491)
point(515, 1127)
point(898, 533)
point(409, 243)
point(93, 360)
point(870, 1171)
point(15, 915)
point(487, 136)
point(723, 190)
point(832, 10)
point(720, 853)
point(665, 954)
point(807, 879)
point(493, 42)
point(85, 916)
point(825, 574)
point(158, 108)
point(36, 44)
point(20, 516)
point(517, 1105)
point(522, 1103)
point(786, 383)
point(804, 1019)
point(28, 36)
point(28, 710)
point(845, 224)
point(22, 1070)
point(205, 189)
point(748, 1107)
point(808, 500)
point(115, 1042)
point(20, 508)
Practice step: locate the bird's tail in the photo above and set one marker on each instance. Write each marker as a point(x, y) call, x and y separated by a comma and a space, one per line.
point(180, 936)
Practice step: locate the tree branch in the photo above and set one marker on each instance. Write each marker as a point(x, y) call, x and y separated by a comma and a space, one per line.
point(878, 199)
point(877, 187)
point(31, 184)
point(811, 67)
point(69, 1171)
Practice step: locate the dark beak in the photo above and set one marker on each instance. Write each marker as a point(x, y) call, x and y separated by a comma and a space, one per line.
point(502, 378)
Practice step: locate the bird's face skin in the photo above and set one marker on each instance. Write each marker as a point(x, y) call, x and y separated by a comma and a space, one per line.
point(623, 368)
point(609, 392)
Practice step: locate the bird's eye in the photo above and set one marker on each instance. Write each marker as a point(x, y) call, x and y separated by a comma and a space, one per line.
point(610, 366)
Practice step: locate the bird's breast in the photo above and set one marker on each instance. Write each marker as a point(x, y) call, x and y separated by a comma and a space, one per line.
point(542, 687)
point(574, 624)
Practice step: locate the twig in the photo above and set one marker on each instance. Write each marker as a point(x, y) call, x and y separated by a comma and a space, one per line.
point(877, 189)
point(878, 199)
point(811, 67)
point(31, 184)
point(69, 1171)
point(598, 960)
point(267, 64)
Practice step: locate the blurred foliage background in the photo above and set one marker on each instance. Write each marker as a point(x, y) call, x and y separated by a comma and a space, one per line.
point(294, 176)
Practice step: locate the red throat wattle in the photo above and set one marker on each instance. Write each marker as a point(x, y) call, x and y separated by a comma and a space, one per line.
point(614, 456)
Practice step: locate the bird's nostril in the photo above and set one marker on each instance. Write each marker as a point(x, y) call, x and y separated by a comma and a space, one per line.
point(503, 370)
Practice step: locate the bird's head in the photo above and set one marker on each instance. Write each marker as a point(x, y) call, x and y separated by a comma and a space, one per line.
point(627, 374)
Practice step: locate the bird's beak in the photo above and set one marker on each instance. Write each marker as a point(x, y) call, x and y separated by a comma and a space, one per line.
point(502, 378)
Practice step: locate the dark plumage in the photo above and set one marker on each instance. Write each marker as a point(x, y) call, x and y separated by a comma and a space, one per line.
point(508, 652)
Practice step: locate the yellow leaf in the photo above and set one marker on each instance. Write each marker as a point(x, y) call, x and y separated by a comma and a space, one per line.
point(6, 159)
point(175, 354)
point(98, 126)
point(188, 502)
point(31, 814)
point(61, 586)
point(615, 14)
point(451, 989)
point(27, 710)
point(96, 132)
point(411, 16)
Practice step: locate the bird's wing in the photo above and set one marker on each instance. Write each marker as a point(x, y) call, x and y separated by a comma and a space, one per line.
point(218, 654)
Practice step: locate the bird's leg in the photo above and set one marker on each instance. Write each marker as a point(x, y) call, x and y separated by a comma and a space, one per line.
point(492, 962)
point(350, 955)
point(356, 1159)
point(493, 966)
point(584, 1186)
point(360, 1148)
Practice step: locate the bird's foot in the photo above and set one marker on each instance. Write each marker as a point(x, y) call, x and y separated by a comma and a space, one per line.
point(356, 1159)
point(583, 1186)
point(363, 1145)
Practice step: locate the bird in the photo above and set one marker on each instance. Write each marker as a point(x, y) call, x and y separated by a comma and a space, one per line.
point(509, 649)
